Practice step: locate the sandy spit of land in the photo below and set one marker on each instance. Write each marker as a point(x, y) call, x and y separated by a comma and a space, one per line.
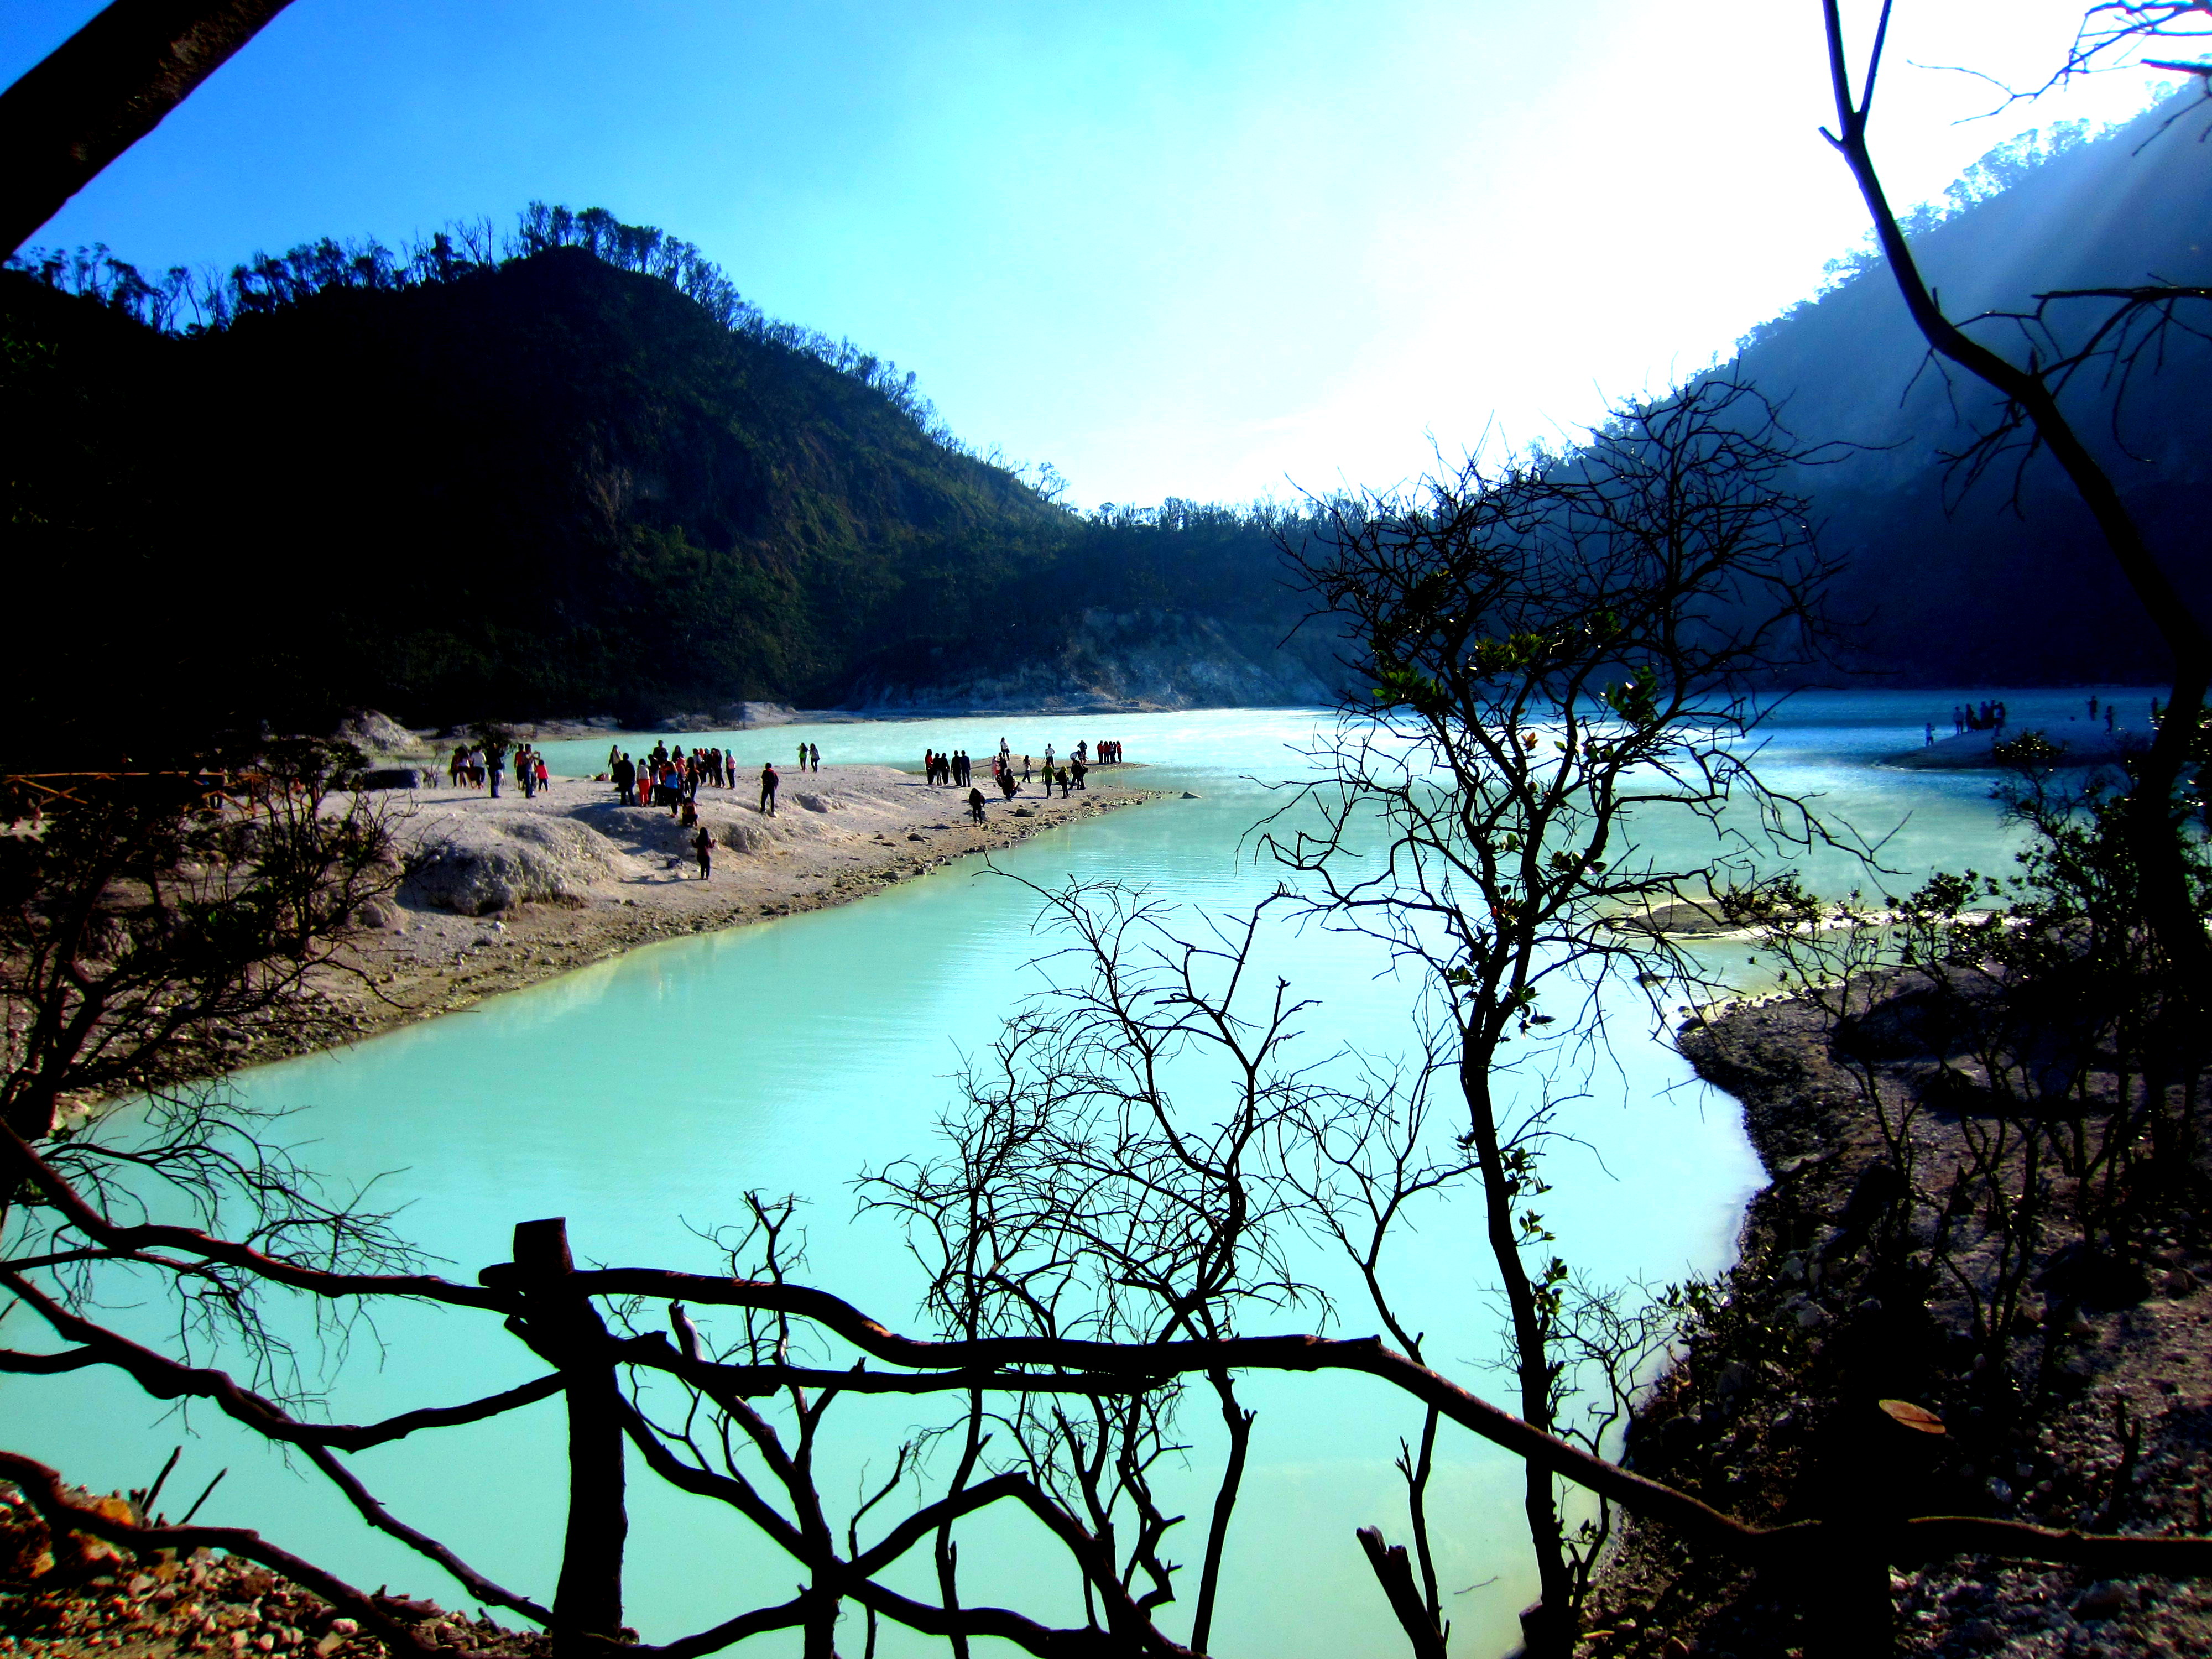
point(2081, 743)
point(572, 877)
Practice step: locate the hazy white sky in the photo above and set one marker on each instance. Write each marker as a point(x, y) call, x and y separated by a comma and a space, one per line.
point(1208, 248)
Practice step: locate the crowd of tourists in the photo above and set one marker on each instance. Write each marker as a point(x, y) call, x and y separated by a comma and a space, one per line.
point(957, 770)
point(672, 777)
point(484, 767)
point(1991, 716)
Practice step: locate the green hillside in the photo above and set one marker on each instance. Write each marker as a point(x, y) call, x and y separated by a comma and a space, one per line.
point(575, 474)
point(532, 487)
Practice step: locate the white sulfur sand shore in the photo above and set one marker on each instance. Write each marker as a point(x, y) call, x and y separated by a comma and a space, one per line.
point(503, 893)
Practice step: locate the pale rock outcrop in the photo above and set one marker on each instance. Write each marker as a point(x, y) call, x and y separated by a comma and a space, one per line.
point(373, 734)
point(474, 863)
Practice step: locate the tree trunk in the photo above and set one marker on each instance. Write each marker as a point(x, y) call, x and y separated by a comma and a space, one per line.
point(1548, 1633)
point(1239, 1421)
point(2165, 894)
point(103, 89)
point(567, 1330)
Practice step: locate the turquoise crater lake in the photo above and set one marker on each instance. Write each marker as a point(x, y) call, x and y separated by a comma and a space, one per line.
point(640, 1097)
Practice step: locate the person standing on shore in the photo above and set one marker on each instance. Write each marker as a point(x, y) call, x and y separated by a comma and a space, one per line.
point(769, 783)
point(975, 804)
point(704, 845)
point(495, 765)
point(814, 757)
point(625, 780)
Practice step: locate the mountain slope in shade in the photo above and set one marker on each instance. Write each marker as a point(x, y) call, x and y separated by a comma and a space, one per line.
point(551, 488)
point(1952, 582)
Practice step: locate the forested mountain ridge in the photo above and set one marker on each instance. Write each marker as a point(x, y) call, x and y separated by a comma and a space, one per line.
point(577, 474)
point(545, 487)
point(551, 487)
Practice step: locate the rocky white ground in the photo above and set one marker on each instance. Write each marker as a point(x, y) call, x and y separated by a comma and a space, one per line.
point(499, 893)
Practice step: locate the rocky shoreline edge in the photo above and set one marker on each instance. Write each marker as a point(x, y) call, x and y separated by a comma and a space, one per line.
point(1769, 1413)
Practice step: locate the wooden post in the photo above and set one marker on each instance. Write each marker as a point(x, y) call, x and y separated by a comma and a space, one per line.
point(567, 1331)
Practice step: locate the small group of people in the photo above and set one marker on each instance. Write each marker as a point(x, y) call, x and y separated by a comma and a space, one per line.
point(1989, 716)
point(529, 771)
point(810, 757)
point(957, 769)
point(949, 770)
point(484, 765)
point(468, 766)
point(669, 777)
point(1068, 777)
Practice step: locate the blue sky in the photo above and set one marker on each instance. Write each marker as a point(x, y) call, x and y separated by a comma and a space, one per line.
point(1215, 249)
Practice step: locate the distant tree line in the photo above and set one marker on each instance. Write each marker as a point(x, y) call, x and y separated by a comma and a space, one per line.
point(2007, 164)
point(183, 300)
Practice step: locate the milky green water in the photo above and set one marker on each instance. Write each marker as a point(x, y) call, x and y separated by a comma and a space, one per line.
point(639, 1097)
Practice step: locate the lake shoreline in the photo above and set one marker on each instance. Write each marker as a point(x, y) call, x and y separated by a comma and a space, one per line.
point(841, 834)
point(1757, 1424)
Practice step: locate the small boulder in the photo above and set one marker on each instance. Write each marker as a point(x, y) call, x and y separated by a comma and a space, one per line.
point(378, 913)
